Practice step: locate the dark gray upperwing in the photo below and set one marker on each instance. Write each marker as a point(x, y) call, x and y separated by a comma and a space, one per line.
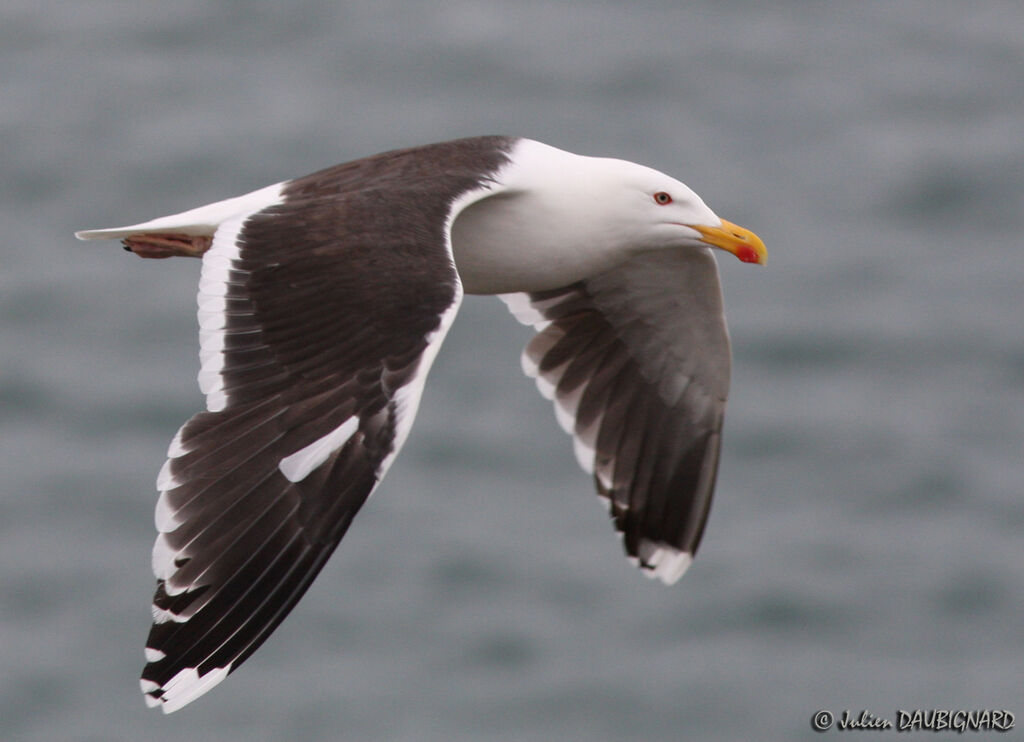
point(320, 319)
point(637, 362)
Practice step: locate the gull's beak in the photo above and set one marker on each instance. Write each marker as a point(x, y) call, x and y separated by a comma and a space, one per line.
point(733, 238)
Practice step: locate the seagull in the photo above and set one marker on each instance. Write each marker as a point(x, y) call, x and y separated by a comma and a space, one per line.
point(323, 301)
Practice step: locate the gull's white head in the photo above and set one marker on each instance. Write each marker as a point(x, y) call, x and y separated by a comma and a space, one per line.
point(650, 210)
point(557, 217)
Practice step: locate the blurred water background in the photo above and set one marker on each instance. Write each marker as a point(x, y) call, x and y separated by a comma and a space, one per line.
point(865, 549)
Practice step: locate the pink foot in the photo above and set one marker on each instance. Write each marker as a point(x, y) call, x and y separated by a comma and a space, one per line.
point(167, 245)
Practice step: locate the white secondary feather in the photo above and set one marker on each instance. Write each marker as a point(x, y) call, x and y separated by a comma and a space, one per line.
point(165, 480)
point(165, 517)
point(176, 449)
point(218, 263)
point(407, 398)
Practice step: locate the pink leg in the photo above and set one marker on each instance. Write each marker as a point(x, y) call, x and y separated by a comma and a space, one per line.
point(167, 245)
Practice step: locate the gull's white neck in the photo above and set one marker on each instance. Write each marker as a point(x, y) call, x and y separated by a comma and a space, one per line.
point(540, 225)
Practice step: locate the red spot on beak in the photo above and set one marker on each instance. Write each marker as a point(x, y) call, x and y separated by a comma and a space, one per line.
point(747, 254)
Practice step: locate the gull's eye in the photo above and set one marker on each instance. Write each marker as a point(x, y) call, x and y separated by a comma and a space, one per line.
point(661, 198)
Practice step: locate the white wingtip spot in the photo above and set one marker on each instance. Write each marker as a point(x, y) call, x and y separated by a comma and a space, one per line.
point(153, 655)
point(666, 563)
point(188, 685)
point(148, 686)
point(298, 465)
point(163, 616)
point(173, 589)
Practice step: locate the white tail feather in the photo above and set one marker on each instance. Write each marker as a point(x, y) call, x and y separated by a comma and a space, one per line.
point(201, 221)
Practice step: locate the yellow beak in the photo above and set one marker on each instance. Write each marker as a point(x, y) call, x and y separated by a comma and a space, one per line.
point(733, 238)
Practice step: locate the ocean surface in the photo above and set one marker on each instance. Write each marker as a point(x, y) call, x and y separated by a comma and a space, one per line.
point(866, 546)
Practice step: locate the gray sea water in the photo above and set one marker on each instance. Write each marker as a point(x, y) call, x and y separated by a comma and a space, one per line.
point(866, 546)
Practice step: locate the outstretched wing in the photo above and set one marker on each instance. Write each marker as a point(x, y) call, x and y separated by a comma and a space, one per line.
point(314, 353)
point(637, 363)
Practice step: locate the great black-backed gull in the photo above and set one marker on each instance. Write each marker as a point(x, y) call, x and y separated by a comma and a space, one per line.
point(322, 303)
